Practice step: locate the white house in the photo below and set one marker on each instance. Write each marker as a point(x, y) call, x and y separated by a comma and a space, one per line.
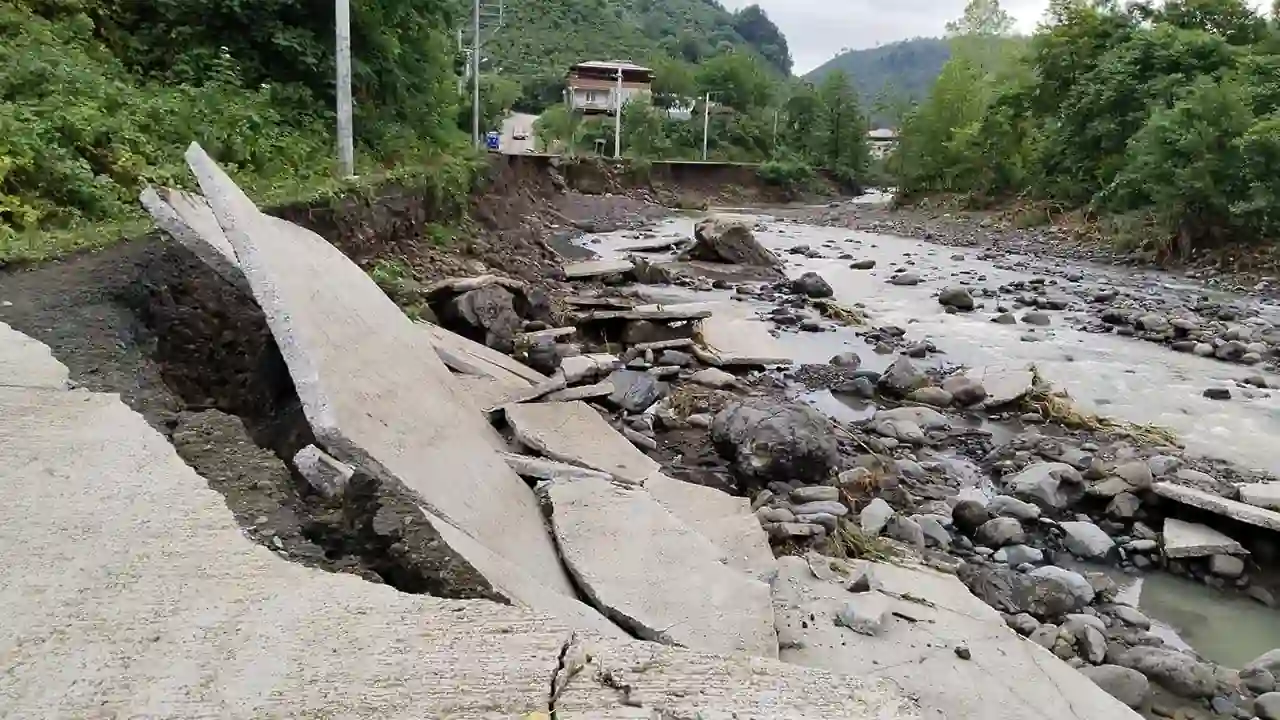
point(592, 87)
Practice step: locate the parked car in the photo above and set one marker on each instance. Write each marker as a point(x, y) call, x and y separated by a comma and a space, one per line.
point(520, 135)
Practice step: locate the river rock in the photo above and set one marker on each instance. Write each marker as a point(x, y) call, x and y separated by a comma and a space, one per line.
point(635, 391)
point(1267, 707)
point(815, 493)
point(926, 418)
point(901, 378)
point(1006, 506)
point(1176, 672)
point(823, 506)
point(968, 516)
point(1015, 555)
point(903, 430)
point(1052, 486)
point(766, 441)
point(956, 297)
point(904, 529)
point(1000, 532)
point(1086, 540)
point(863, 264)
point(866, 613)
point(811, 284)
point(1137, 473)
point(935, 396)
point(905, 278)
point(1080, 588)
point(714, 378)
point(848, 360)
point(1037, 318)
point(965, 391)
point(1269, 661)
point(935, 533)
point(1226, 566)
point(1011, 591)
point(722, 241)
point(1124, 684)
point(1258, 680)
point(1130, 616)
point(874, 517)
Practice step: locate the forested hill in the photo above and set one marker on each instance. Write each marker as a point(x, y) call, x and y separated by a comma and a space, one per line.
point(908, 67)
point(545, 37)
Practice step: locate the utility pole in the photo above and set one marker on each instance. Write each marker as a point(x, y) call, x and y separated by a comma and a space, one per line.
point(346, 144)
point(617, 117)
point(475, 73)
point(706, 124)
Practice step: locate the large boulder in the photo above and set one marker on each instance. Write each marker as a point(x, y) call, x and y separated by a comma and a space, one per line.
point(811, 284)
point(485, 315)
point(1013, 592)
point(1176, 672)
point(723, 241)
point(767, 441)
point(1052, 486)
point(1128, 686)
point(901, 378)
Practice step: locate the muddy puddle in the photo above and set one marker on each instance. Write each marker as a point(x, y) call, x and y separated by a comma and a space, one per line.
point(1111, 375)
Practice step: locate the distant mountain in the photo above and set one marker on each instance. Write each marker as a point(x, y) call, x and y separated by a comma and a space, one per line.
point(908, 67)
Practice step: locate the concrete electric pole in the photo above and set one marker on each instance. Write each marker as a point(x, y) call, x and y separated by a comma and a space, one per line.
point(475, 73)
point(346, 142)
point(706, 124)
point(617, 117)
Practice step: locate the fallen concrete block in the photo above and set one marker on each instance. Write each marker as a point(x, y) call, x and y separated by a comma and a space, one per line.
point(187, 218)
point(25, 362)
point(1218, 505)
point(668, 313)
point(457, 286)
point(571, 432)
point(738, 342)
point(1184, 540)
point(595, 268)
point(328, 476)
point(653, 574)
point(373, 390)
point(582, 392)
point(1263, 495)
point(170, 616)
point(488, 392)
point(543, 469)
point(725, 520)
point(998, 674)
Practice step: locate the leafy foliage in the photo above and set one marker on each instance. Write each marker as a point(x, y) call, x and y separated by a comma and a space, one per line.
point(1165, 113)
point(900, 70)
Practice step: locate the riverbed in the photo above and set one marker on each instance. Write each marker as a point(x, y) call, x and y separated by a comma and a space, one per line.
point(1115, 376)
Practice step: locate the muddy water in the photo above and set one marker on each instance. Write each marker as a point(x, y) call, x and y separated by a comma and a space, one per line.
point(1112, 375)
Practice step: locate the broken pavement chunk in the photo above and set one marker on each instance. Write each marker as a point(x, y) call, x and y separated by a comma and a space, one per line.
point(654, 575)
point(571, 432)
point(1184, 539)
point(595, 268)
point(328, 476)
point(26, 362)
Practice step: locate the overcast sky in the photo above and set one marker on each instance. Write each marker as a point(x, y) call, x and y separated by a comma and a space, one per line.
point(817, 30)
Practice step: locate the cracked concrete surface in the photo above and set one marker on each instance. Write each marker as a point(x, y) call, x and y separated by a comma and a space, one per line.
point(28, 363)
point(1006, 677)
point(130, 591)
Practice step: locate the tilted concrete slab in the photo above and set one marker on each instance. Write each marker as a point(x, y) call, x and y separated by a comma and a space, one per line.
point(1218, 505)
point(1263, 495)
point(596, 268)
point(187, 218)
point(26, 362)
point(1006, 677)
point(1183, 540)
point(667, 313)
point(651, 573)
point(160, 607)
point(372, 388)
point(486, 359)
point(571, 432)
point(725, 520)
point(733, 341)
point(488, 392)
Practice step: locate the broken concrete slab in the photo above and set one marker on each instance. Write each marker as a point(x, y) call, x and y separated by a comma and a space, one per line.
point(488, 392)
point(324, 473)
point(283, 640)
point(372, 388)
point(537, 336)
point(725, 520)
point(655, 244)
point(1183, 540)
point(1001, 676)
point(652, 574)
point(595, 268)
point(1004, 387)
point(483, 359)
point(187, 218)
point(669, 313)
point(543, 469)
point(582, 392)
point(611, 302)
point(1263, 495)
point(742, 342)
point(571, 432)
point(458, 286)
point(26, 362)
point(1218, 505)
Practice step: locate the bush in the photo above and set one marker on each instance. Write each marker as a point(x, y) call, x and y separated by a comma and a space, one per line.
point(792, 175)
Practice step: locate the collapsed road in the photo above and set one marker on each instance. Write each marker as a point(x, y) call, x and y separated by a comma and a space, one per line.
point(574, 574)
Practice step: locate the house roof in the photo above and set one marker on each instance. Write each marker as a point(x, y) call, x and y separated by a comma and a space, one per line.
point(612, 65)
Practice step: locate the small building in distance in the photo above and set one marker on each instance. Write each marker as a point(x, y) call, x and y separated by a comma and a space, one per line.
point(591, 86)
point(882, 142)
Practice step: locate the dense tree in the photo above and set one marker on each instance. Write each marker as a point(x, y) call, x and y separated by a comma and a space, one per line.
point(843, 127)
point(1164, 113)
point(738, 81)
point(903, 70)
point(758, 30)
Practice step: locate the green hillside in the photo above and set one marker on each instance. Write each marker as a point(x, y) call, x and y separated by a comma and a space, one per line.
point(907, 68)
point(545, 37)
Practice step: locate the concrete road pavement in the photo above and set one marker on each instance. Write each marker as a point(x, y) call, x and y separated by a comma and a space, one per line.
point(518, 124)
